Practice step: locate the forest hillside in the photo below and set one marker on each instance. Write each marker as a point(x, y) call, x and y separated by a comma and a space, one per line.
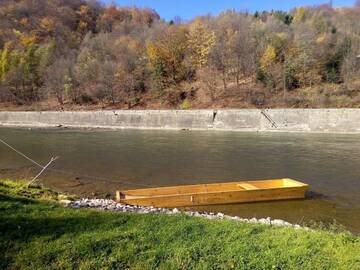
point(75, 54)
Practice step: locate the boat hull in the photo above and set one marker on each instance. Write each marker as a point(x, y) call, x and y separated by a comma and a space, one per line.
point(183, 196)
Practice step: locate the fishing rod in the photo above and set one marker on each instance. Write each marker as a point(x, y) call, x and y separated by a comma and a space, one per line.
point(46, 167)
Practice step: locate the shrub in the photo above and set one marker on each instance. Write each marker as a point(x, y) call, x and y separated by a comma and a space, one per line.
point(186, 105)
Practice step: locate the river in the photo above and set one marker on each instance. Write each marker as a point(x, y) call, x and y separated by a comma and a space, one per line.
point(97, 162)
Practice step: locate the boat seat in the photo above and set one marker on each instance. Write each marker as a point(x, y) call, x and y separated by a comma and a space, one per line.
point(247, 186)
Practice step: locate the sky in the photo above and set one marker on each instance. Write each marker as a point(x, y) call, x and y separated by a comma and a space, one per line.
point(188, 9)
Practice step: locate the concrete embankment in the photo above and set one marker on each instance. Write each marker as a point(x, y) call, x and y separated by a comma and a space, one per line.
point(272, 120)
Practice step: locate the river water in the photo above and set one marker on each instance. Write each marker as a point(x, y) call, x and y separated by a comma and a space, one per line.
point(97, 162)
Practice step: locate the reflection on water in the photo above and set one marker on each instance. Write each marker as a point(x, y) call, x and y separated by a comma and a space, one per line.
point(329, 163)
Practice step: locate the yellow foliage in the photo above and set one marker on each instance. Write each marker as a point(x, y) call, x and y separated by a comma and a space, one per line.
point(281, 35)
point(83, 25)
point(169, 47)
point(28, 40)
point(130, 42)
point(83, 10)
point(321, 38)
point(121, 75)
point(152, 52)
point(24, 21)
point(84, 13)
point(167, 53)
point(5, 55)
point(3, 63)
point(17, 32)
point(300, 15)
point(268, 57)
point(200, 42)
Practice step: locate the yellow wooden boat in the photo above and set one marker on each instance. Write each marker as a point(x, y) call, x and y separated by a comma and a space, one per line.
point(220, 193)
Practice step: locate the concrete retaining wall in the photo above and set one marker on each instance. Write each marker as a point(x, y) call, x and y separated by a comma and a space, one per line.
point(274, 120)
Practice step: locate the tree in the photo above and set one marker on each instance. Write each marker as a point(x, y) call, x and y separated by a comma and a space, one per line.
point(220, 56)
point(115, 54)
point(167, 55)
point(200, 42)
point(59, 80)
point(242, 46)
point(5, 60)
point(299, 15)
point(267, 65)
point(283, 16)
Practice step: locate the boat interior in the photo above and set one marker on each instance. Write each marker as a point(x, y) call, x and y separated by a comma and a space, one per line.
point(211, 188)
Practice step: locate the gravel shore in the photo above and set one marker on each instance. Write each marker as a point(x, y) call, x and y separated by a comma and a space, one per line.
point(111, 205)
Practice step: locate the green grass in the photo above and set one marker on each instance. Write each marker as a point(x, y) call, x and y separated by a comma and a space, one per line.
point(40, 234)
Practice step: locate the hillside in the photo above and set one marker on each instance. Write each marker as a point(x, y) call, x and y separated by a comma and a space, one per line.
point(74, 55)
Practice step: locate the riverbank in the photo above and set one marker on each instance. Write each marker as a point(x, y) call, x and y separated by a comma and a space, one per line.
point(271, 120)
point(113, 206)
point(37, 231)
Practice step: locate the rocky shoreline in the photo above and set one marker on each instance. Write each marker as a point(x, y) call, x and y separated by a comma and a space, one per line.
point(111, 205)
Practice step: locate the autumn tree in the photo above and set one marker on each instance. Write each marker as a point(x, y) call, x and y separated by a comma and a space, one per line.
point(81, 51)
point(200, 42)
point(242, 45)
point(167, 55)
point(60, 80)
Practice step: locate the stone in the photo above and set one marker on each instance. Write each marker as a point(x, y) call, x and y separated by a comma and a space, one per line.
point(111, 205)
point(277, 222)
point(263, 221)
point(65, 202)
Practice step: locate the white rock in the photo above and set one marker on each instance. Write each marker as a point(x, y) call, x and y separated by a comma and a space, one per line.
point(65, 202)
point(220, 215)
point(266, 221)
point(277, 222)
point(110, 205)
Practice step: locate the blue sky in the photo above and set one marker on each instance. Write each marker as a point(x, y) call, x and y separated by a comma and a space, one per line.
point(188, 9)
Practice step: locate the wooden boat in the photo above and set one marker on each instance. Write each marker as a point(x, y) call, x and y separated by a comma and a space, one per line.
point(220, 193)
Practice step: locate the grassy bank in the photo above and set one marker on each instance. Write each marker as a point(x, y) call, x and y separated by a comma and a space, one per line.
point(37, 233)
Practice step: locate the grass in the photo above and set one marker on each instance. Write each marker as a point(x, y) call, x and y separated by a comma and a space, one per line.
point(37, 233)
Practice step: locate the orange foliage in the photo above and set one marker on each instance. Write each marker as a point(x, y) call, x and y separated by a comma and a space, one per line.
point(47, 24)
point(28, 40)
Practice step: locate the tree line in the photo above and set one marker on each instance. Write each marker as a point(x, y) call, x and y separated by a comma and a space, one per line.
point(75, 52)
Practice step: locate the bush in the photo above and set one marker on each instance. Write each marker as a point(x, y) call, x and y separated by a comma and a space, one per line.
point(186, 105)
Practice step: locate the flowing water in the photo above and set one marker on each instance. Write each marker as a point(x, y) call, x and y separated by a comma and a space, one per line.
point(96, 163)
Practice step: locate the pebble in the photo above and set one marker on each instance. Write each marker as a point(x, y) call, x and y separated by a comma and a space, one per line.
point(65, 202)
point(111, 205)
point(253, 220)
point(220, 215)
point(278, 222)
